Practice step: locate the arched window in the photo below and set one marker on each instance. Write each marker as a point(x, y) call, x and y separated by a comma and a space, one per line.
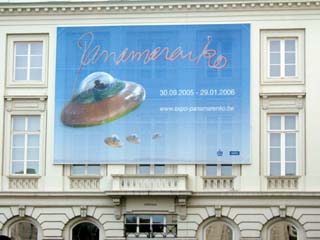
point(85, 231)
point(24, 230)
point(221, 228)
point(218, 231)
point(283, 229)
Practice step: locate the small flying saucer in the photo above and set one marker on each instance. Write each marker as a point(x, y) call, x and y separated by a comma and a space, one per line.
point(156, 136)
point(133, 139)
point(101, 99)
point(113, 141)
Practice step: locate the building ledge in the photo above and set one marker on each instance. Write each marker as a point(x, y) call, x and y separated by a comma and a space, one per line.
point(149, 183)
point(118, 6)
point(218, 183)
point(283, 182)
point(23, 182)
point(149, 193)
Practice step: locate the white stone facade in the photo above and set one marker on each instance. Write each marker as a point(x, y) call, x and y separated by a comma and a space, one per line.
point(249, 202)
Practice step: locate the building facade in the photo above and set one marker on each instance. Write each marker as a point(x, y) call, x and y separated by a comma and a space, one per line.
point(275, 197)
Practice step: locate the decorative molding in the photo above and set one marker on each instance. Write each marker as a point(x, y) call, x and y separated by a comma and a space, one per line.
point(23, 103)
point(265, 102)
point(23, 183)
point(149, 182)
point(300, 102)
point(181, 204)
point(287, 101)
point(22, 211)
point(85, 183)
point(218, 183)
point(283, 182)
point(117, 207)
point(283, 211)
point(218, 211)
point(83, 211)
point(105, 7)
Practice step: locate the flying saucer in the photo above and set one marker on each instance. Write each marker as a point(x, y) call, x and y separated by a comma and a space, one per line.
point(101, 99)
point(156, 136)
point(113, 141)
point(133, 139)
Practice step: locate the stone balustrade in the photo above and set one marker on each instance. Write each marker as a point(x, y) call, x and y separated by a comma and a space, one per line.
point(283, 182)
point(175, 182)
point(85, 182)
point(219, 183)
point(23, 182)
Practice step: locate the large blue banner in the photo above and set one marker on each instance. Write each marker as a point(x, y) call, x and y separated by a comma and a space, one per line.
point(153, 94)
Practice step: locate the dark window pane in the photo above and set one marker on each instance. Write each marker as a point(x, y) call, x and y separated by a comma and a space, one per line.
point(144, 219)
point(157, 228)
point(158, 219)
point(131, 219)
point(131, 228)
point(144, 228)
point(85, 231)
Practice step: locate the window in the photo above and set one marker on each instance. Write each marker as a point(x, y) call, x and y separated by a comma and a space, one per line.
point(283, 230)
point(157, 169)
point(218, 170)
point(219, 230)
point(282, 56)
point(24, 230)
point(282, 134)
point(85, 170)
point(144, 169)
point(25, 147)
point(85, 231)
point(28, 64)
point(27, 60)
point(151, 226)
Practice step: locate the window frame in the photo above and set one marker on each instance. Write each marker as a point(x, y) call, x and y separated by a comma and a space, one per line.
point(201, 233)
point(28, 38)
point(277, 105)
point(25, 134)
point(67, 233)
point(219, 170)
point(151, 223)
point(85, 170)
point(82, 222)
point(152, 169)
point(270, 224)
point(282, 131)
point(6, 230)
point(24, 107)
point(282, 34)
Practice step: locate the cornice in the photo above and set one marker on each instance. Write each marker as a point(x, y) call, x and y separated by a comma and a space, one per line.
point(121, 6)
